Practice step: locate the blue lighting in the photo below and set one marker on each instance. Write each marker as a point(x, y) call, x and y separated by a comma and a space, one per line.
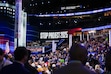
point(72, 14)
point(97, 28)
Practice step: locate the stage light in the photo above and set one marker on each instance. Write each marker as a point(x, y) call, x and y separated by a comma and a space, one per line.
point(35, 3)
point(48, 1)
point(30, 4)
point(42, 2)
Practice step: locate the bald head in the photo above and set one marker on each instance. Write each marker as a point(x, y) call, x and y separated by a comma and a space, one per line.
point(78, 52)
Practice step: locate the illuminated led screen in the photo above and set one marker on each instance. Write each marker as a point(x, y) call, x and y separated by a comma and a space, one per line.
point(53, 35)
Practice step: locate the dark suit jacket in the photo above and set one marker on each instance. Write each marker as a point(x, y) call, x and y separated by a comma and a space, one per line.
point(73, 68)
point(33, 70)
point(15, 68)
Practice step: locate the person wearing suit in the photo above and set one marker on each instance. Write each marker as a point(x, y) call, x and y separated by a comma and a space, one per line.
point(21, 56)
point(76, 65)
point(108, 62)
point(32, 69)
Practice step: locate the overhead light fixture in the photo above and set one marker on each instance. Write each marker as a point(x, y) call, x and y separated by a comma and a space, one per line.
point(49, 23)
point(57, 11)
point(75, 21)
point(4, 7)
point(64, 10)
point(84, 7)
point(60, 11)
point(30, 4)
point(13, 13)
point(46, 12)
point(1, 7)
point(42, 2)
point(13, 10)
point(66, 21)
point(41, 23)
point(35, 3)
point(48, 1)
point(4, 1)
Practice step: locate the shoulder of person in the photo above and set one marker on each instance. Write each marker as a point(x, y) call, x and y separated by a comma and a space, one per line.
point(90, 71)
point(7, 62)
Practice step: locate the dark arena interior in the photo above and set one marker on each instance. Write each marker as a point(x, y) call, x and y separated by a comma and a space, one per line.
point(50, 29)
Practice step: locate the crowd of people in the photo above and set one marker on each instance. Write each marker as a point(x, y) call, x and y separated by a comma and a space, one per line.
point(84, 57)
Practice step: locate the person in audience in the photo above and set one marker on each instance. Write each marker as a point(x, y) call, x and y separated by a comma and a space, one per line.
point(10, 57)
point(3, 61)
point(21, 56)
point(98, 69)
point(89, 66)
point(78, 57)
point(108, 62)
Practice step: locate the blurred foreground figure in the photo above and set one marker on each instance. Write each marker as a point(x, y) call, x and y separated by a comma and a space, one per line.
point(3, 61)
point(78, 58)
point(108, 62)
point(29, 67)
point(21, 56)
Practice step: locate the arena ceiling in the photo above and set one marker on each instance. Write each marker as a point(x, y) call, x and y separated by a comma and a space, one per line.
point(40, 7)
point(61, 23)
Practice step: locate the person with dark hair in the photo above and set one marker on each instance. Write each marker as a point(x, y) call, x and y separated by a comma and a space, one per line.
point(3, 61)
point(108, 62)
point(29, 67)
point(76, 65)
point(21, 56)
